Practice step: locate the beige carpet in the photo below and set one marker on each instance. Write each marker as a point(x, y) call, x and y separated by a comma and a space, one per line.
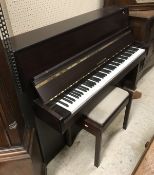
point(121, 149)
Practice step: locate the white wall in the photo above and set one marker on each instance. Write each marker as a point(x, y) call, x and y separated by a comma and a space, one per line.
point(26, 15)
point(3, 4)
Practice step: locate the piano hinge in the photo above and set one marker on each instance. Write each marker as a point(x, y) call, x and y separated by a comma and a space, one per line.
point(13, 125)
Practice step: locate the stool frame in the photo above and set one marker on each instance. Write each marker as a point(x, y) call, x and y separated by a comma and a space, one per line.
point(97, 129)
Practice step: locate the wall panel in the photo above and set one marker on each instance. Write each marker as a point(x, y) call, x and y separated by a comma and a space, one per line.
point(26, 15)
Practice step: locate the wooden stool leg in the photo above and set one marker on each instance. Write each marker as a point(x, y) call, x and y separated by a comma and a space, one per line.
point(98, 149)
point(127, 111)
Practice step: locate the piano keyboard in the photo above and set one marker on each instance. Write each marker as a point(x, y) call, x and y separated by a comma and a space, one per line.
point(73, 100)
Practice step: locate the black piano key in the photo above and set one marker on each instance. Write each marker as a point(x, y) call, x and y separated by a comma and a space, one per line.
point(130, 51)
point(79, 92)
point(110, 67)
point(134, 49)
point(106, 71)
point(76, 94)
point(103, 73)
point(123, 57)
point(90, 86)
point(82, 89)
point(99, 74)
point(63, 103)
point(89, 83)
point(67, 100)
point(86, 84)
point(119, 60)
point(115, 63)
point(72, 99)
point(73, 95)
point(127, 54)
point(95, 79)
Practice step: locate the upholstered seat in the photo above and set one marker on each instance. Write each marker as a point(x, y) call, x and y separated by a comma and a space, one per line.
point(97, 119)
point(107, 106)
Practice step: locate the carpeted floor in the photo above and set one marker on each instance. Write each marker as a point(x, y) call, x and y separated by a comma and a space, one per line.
point(121, 149)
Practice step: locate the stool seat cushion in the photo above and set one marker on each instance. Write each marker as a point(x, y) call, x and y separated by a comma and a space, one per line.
point(107, 106)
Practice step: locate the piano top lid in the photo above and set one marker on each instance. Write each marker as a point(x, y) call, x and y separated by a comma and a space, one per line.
point(39, 35)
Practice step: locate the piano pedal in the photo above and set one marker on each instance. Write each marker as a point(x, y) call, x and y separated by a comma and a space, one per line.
point(137, 94)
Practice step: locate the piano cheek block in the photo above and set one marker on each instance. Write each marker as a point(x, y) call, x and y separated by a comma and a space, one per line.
point(55, 116)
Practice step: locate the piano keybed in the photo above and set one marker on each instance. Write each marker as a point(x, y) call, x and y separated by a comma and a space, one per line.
point(74, 99)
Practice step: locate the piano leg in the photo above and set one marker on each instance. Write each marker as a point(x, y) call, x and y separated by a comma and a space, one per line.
point(130, 80)
point(69, 139)
point(72, 132)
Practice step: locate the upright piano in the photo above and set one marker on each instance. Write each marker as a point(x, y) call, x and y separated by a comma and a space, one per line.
point(64, 66)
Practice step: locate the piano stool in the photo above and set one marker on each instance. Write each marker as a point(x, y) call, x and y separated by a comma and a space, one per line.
point(97, 119)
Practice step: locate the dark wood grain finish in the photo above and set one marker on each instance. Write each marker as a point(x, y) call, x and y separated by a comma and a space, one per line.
point(142, 23)
point(19, 149)
point(143, 26)
point(17, 167)
point(132, 4)
point(25, 159)
point(9, 106)
point(4, 140)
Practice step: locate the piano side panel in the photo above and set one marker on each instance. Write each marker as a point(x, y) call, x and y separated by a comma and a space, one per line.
point(51, 141)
